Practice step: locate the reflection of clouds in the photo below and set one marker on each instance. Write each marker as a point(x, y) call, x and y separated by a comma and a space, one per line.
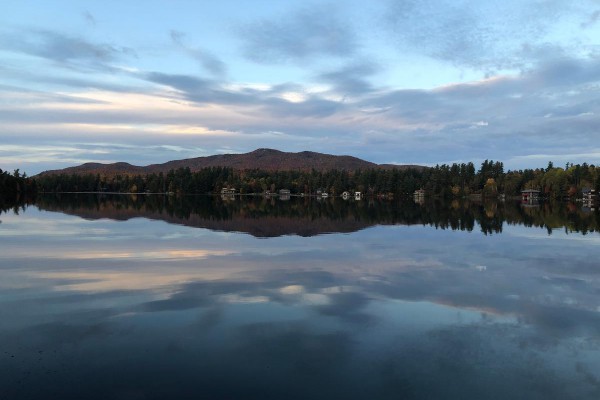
point(292, 289)
point(373, 312)
point(348, 306)
point(106, 255)
point(200, 294)
point(38, 226)
point(385, 263)
point(166, 254)
point(91, 281)
point(236, 298)
point(531, 234)
point(298, 294)
point(552, 289)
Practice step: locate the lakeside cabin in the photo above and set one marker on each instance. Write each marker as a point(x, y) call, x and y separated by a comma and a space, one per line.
point(228, 191)
point(589, 194)
point(589, 198)
point(345, 195)
point(357, 195)
point(530, 195)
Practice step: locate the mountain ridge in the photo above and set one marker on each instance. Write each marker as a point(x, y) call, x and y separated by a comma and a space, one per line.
point(263, 159)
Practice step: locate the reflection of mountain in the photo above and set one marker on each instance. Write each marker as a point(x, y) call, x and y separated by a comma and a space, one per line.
point(265, 226)
point(255, 216)
point(262, 217)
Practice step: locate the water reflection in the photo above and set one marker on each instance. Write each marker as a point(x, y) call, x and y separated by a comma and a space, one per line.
point(271, 217)
point(104, 300)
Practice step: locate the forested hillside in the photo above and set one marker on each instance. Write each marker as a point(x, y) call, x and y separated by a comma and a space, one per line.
point(263, 159)
point(454, 180)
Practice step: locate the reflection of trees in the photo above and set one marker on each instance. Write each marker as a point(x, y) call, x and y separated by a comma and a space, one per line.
point(14, 206)
point(307, 216)
point(555, 216)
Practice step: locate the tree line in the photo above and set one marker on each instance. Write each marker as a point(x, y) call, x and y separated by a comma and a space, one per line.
point(456, 180)
point(278, 216)
point(15, 186)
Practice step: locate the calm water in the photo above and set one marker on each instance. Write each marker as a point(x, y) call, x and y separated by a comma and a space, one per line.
point(203, 298)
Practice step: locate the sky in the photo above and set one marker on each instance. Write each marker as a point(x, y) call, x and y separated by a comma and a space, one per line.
point(406, 82)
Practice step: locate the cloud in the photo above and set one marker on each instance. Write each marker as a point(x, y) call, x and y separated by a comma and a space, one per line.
point(185, 83)
point(89, 18)
point(271, 100)
point(351, 79)
point(203, 91)
point(77, 80)
point(313, 107)
point(208, 61)
point(593, 18)
point(34, 157)
point(485, 35)
point(567, 71)
point(63, 49)
point(544, 106)
point(530, 91)
point(301, 36)
point(28, 97)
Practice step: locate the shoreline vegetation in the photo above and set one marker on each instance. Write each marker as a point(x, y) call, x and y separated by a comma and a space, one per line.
point(262, 216)
point(445, 181)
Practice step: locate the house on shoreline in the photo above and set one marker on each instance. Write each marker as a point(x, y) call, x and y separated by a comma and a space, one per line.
point(530, 196)
point(589, 197)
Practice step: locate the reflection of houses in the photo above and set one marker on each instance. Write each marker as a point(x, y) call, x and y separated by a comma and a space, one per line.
point(357, 195)
point(227, 194)
point(589, 195)
point(530, 196)
point(284, 194)
point(419, 193)
point(589, 198)
point(419, 196)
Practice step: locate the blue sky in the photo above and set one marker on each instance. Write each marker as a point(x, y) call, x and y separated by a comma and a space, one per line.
point(406, 82)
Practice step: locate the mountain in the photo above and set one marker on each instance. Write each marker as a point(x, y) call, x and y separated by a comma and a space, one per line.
point(264, 159)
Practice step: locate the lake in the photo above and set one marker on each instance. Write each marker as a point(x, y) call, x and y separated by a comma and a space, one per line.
point(151, 297)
